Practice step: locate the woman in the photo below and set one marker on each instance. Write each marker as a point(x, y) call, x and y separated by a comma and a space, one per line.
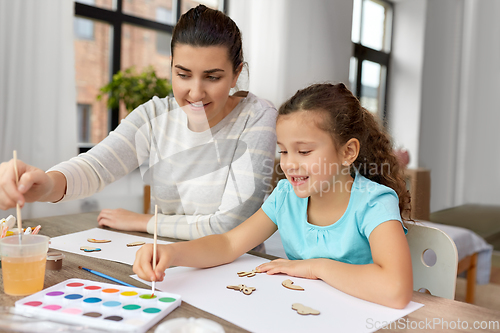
point(207, 155)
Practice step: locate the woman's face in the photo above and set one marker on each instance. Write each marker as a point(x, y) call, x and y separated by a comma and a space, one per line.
point(201, 79)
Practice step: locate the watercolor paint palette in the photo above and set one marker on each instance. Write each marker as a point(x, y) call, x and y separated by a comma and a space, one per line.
point(100, 305)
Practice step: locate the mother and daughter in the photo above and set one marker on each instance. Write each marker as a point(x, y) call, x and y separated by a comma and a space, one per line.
point(340, 211)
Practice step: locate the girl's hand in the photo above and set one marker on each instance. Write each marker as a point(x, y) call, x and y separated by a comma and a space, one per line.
point(34, 184)
point(298, 268)
point(143, 264)
point(123, 219)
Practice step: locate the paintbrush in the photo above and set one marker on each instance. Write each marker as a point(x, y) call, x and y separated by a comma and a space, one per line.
point(154, 250)
point(18, 208)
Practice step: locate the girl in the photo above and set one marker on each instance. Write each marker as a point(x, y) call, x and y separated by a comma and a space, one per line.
point(207, 154)
point(338, 210)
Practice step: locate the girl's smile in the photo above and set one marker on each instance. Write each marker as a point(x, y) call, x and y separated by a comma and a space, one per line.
point(297, 180)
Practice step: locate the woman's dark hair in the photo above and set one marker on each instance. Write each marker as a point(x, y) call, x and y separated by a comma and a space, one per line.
point(344, 118)
point(202, 26)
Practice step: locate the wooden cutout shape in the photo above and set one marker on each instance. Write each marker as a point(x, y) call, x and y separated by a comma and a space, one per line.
point(244, 289)
point(93, 240)
point(304, 310)
point(289, 284)
point(247, 290)
point(89, 249)
point(135, 244)
point(247, 274)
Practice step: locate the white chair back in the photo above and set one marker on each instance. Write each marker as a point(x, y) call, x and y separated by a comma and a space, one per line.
point(439, 278)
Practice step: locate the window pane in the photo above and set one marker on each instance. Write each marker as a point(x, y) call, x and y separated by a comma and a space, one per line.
point(373, 25)
point(356, 21)
point(372, 92)
point(83, 116)
point(165, 15)
point(92, 66)
point(188, 4)
point(106, 4)
point(353, 73)
point(84, 28)
point(162, 11)
point(143, 47)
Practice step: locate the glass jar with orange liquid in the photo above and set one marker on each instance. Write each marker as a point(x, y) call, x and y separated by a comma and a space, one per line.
point(23, 263)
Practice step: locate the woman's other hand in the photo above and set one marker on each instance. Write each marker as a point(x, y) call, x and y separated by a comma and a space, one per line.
point(123, 219)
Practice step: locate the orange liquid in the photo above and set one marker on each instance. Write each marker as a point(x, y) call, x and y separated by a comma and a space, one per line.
point(23, 276)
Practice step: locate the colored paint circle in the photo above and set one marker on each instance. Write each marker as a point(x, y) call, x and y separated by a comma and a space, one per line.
point(111, 303)
point(55, 293)
point(131, 307)
point(73, 296)
point(92, 300)
point(114, 318)
point(74, 311)
point(93, 314)
point(52, 307)
point(34, 303)
point(92, 287)
point(148, 296)
point(129, 293)
point(167, 299)
point(152, 310)
point(74, 284)
point(110, 290)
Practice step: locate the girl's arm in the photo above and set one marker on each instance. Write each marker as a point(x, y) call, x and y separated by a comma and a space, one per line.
point(207, 251)
point(388, 281)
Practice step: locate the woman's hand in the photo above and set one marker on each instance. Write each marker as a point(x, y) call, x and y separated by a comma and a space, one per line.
point(143, 264)
point(34, 185)
point(123, 219)
point(297, 268)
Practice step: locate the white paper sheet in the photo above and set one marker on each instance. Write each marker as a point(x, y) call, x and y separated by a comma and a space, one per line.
point(116, 250)
point(269, 307)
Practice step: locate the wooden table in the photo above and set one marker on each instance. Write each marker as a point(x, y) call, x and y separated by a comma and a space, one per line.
point(435, 308)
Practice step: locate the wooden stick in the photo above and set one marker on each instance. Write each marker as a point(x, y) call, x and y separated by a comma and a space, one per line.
point(154, 249)
point(18, 208)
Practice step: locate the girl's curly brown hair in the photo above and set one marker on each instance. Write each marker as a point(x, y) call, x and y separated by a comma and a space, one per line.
point(344, 118)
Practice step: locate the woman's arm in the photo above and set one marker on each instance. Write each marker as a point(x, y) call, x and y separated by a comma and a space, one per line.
point(388, 281)
point(207, 251)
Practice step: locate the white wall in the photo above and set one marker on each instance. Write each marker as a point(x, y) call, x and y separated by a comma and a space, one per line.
point(290, 44)
point(405, 76)
point(479, 152)
point(441, 86)
point(445, 77)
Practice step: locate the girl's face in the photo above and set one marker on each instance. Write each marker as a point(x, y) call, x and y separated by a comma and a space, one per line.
point(309, 158)
point(201, 80)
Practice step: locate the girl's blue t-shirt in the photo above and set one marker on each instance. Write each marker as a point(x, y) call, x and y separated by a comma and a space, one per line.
point(345, 240)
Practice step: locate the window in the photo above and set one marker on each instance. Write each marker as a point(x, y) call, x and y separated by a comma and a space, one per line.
point(112, 35)
point(371, 37)
point(165, 15)
point(84, 29)
point(83, 118)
